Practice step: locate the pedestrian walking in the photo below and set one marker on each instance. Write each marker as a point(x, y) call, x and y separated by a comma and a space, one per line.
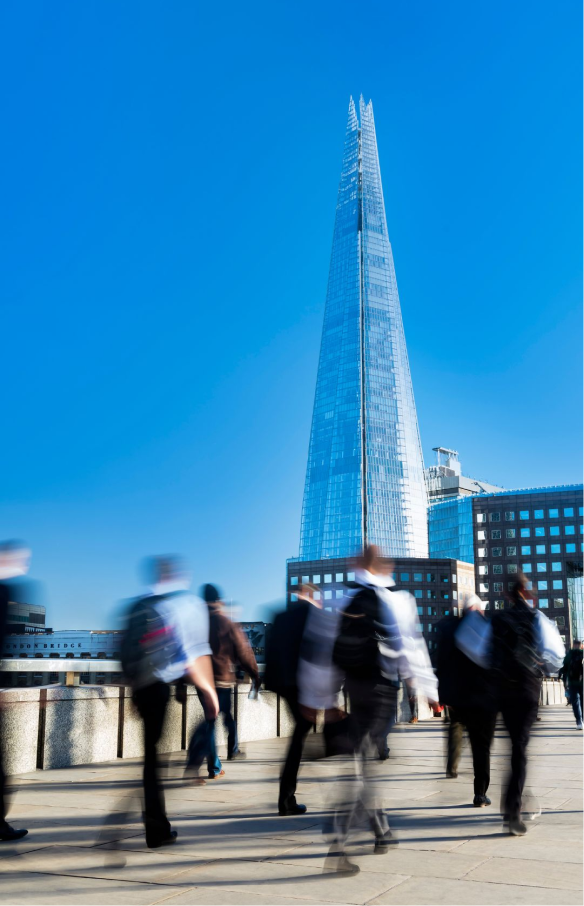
point(167, 636)
point(229, 648)
point(468, 691)
point(14, 564)
point(571, 672)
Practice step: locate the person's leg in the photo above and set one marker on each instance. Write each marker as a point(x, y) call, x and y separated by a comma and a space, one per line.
point(289, 776)
point(518, 715)
point(454, 745)
point(576, 700)
point(230, 725)
point(151, 703)
point(481, 728)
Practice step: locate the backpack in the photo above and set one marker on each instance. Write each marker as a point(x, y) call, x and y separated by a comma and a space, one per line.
point(149, 644)
point(575, 667)
point(356, 649)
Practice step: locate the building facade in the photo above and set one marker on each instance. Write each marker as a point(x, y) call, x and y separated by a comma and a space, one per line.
point(445, 478)
point(538, 532)
point(436, 584)
point(74, 643)
point(365, 475)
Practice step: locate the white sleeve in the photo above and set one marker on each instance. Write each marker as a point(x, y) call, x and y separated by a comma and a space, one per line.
point(193, 623)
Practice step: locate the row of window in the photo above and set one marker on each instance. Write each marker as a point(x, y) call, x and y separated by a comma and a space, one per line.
point(397, 577)
point(542, 585)
point(509, 515)
point(538, 532)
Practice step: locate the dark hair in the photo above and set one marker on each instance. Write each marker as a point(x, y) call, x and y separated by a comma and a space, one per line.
point(157, 569)
point(210, 594)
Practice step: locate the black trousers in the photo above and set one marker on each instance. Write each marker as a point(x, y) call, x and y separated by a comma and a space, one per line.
point(289, 776)
point(151, 703)
point(481, 729)
point(518, 713)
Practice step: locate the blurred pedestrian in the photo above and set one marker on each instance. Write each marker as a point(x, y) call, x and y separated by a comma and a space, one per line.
point(281, 676)
point(14, 564)
point(377, 642)
point(571, 672)
point(517, 669)
point(467, 689)
point(167, 636)
point(229, 648)
point(412, 701)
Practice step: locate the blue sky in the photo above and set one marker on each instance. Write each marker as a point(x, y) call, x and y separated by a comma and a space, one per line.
point(170, 176)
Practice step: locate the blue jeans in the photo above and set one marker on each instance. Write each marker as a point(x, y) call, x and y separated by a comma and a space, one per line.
point(203, 746)
point(576, 701)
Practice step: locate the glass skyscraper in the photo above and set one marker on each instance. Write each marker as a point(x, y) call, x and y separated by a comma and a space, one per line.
point(365, 474)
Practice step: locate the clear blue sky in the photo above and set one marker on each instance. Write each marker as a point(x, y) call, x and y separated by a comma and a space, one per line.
point(169, 186)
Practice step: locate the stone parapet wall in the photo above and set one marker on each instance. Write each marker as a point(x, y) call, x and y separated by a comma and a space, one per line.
point(61, 726)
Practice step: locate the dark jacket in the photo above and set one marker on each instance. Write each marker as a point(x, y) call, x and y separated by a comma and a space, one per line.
point(516, 668)
point(4, 598)
point(283, 650)
point(571, 670)
point(356, 650)
point(229, 646)
point(462, 684)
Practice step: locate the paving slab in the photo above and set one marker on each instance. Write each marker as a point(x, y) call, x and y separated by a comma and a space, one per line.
point(445, 892)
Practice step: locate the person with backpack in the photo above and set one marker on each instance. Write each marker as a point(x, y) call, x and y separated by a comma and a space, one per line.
point(376, 645)
point(571, 672)
point(229, 647)
point(167, 636)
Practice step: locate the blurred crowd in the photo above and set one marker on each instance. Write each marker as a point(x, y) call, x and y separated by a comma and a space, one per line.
point(342, 667)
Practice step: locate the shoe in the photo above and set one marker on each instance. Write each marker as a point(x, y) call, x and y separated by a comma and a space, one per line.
point(516, 827)
point(579, 726)
point(191, 776)
point(382, 844)
point(295, 809)
point(413, 720)
point(237, 756)
point(383, 756)
point(8, 833)
point(215, 776)
point(337, 862)
point(481, 801)
point(165, 841)
point(452, 774)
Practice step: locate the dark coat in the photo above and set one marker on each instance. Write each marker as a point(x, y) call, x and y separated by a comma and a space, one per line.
point(283, 650)
point(515, 662)
point(462, 684)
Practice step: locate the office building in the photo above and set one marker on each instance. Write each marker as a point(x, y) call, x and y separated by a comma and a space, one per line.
point(538, 532)
point(365, 475)
point(438, 585)
point(445, 478)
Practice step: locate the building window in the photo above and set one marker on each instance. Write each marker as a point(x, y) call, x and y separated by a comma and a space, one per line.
point(499, 605)
point(540, 548)
point(525, 532)
point(524, 514)
point(497, 551)
point(554, 530)
point(328, 595)
point(510, 533)
point(553, 514)
point(569, 530)
point(338, 577)
point(305, 579)
point(542, 585)
point(294, 580)
point(496, 534)
point(526, 567)
point(495, 517)
point(542, 567)
point(481, 535)
point(556, 566)
point(561, 622)
point(483, 569)
point(404, 577)
point(430, 594)
point(498, 569)
point(328, 579)
point(445, 595)
point(511, 567)
point(350, 577)
point(481, 552)
point(418, 593)
point(557, 584)
point(568, 511)
point(526, 550)
point(570, 548)
point(511, 551)
point(510, 516)
point(339, 593)
point(316, 580)
point(539, 531)
point(558, 602)
point(538, 514)
point(484, 588)
point(417, 577)
point(544, 603)
point(431, 577)
point(497, 587)
point(454, 578)
point(444, 577)
point(420, 610)
point(317, 596)
point(481, 517)
point(293, 597)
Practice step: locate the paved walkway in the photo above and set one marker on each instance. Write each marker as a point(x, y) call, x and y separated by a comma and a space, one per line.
point(234, 849)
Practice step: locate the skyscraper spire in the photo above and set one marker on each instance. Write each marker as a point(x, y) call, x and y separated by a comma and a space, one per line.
point(365, 476)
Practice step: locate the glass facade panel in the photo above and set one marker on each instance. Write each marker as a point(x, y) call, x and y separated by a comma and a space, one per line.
point(450, 529)
point(365, 476)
